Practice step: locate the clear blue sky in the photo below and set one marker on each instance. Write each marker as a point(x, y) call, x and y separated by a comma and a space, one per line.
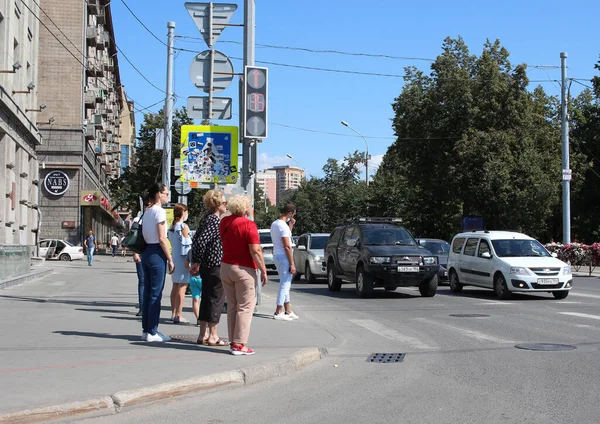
point(533, 31)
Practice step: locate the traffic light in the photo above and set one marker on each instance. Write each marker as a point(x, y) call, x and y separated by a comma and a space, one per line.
point(255, 102)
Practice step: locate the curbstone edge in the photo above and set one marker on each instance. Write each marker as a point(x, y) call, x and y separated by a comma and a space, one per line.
point(97, 406)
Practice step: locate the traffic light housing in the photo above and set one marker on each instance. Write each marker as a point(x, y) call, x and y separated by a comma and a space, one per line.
point(255, 102)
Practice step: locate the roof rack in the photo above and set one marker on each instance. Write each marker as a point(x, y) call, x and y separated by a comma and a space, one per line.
point(379, 219)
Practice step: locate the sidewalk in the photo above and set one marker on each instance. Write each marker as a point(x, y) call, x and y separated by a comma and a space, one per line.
point(73, 335)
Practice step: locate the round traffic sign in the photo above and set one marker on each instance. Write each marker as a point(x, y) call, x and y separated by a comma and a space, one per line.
point(182, 187)
point(222, 71)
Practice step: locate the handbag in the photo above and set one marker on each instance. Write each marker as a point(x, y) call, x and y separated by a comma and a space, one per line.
point(186, 243)
point(135, 239)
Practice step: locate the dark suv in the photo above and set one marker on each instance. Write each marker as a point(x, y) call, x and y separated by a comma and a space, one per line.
point(379, 252)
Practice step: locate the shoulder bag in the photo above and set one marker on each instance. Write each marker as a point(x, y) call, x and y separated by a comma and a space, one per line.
point(135, 239)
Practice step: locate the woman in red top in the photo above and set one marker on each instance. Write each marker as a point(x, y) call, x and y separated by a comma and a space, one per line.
point(242, 255)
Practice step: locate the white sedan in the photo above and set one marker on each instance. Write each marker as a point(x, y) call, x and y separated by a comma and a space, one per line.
point(60, 249)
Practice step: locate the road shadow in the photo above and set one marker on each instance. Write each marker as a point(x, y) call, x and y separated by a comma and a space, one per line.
point(490, 295)
point(68, 301)
point(350, 293)
point(107, 311)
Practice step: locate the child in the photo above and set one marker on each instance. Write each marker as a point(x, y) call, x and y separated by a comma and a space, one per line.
point(195, 287)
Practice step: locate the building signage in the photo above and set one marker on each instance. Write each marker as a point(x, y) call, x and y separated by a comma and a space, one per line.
point(95, 198)
point(56, 183)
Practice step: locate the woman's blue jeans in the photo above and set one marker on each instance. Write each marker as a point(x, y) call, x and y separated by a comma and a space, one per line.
point(154, 265)
point(140, 274)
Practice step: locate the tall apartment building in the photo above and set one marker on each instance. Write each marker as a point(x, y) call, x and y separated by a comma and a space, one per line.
point(81, 126)
point(267, 181)
point(288, 177)
point(19, 135)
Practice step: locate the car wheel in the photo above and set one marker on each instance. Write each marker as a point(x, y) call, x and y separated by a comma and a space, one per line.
point(501, 288)
point(64, 257)
point(428, 287)
point(455, 286)
point(308, 274)
point(560, 294)
point(364, 283)
point(333, 282)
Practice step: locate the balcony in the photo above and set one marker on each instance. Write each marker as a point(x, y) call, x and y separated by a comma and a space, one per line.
point(94, 6)
point(91, 34)
point(90, 99)
point(109, 64)
point(90, 131)
point(101, 16)
point(98, 121)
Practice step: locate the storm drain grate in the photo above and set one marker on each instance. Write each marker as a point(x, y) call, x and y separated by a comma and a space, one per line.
point(469, 315)
point(545, 347)
point(386, 358)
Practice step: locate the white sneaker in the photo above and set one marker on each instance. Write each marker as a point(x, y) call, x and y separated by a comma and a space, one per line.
point(292, 315)
point(144, 336)
point(282, 317)
point(158, 337)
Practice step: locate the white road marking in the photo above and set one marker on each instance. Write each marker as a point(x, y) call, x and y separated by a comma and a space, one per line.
point(566, 302)
point(389, 333)
point(466, 332)
point(580, 315)
point(591, 296)
point(495, 303)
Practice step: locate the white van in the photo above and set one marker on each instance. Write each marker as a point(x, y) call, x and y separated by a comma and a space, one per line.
point(506, 262)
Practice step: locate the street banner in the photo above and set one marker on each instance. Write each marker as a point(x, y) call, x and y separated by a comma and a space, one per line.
point(209, 154)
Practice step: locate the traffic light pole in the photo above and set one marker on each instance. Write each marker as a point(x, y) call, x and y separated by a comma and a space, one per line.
point(166, 159)
point(249, 146)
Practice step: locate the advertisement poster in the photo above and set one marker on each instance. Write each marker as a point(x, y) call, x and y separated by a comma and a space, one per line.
point(209, 154)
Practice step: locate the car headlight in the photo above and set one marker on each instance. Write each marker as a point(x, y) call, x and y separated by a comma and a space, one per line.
point(430, 260)
point(317, 258)
point(566, 270)
point(519, 270)
point(380, 260)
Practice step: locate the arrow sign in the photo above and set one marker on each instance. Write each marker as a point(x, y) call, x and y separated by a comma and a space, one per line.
point(211, 18)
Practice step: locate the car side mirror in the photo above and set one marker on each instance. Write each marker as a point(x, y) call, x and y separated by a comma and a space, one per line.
point(302, 247)
point(486, 255)
point(554, 255)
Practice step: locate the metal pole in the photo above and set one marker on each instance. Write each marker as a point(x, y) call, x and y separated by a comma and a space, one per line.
point(250, 147)
point(566, 202)
point(166, 165)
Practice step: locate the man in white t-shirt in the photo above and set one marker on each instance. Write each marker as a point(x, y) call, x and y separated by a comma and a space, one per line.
point(281, 235)
point(114, 243)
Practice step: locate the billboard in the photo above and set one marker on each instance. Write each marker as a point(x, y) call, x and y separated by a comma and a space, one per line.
point(209, 154)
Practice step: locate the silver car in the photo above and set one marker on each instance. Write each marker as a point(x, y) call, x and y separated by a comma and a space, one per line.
point(308, 256)
point(266, 243)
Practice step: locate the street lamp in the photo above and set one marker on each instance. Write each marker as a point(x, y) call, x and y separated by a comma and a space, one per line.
point(344, 123)
point(292, 158)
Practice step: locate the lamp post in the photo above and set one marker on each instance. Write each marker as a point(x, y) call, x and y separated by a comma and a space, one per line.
point(344, 123)
point(301, 166)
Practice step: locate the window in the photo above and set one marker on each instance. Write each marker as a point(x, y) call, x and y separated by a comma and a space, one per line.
point(29, 34)
point(335, 236)
point(471, 246)
point(483, 247)
point(318, 242)
point(302, 241)
point(17, 11)
point(45, 243)
point(347, 234)
point(265, 238)
point(457, 245)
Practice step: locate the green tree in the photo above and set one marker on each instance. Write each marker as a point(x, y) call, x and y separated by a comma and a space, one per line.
point(471, 140)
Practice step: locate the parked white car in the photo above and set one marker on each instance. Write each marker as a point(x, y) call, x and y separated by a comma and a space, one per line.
point(60, 249)
point(266, 243)
point(506, 262)
point(309, 256)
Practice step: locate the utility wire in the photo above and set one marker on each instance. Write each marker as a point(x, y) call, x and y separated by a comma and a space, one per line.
point(585, 85)
point(142, 24)
point(136, 69)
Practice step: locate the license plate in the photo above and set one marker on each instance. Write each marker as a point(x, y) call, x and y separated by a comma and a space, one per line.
point(547, 281)
point(408, 269)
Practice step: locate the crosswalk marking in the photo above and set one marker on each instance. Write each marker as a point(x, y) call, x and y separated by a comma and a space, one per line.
point(390, 333)
point(591, 296)
point(580, 315)
point(466, 332)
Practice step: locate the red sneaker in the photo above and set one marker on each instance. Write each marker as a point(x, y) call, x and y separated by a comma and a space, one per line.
point(241, 350)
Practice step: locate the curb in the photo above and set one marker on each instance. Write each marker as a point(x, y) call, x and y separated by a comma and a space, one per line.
point(109, 405)
point(23, 278)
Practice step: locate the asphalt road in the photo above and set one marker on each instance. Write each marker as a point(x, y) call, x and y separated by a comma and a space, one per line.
point(456, 369)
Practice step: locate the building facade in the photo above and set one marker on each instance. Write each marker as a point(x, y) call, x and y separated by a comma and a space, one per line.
point(267, 181)
point(19, 136)
point(288, 177)
point(81, 125)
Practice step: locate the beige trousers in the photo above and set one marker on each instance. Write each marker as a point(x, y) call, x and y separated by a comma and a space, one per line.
point(238, 283)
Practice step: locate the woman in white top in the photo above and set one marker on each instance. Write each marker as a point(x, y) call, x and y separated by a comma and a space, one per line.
point(155, 260)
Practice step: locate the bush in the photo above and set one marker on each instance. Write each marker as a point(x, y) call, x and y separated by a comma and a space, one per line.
point(577, 254)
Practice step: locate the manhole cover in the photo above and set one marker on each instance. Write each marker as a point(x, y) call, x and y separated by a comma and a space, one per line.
point(546, 347)
point(469, 315)
point(386, 358)
point(190, 338)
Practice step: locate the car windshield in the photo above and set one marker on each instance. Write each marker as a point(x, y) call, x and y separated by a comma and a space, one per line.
point(265, 238)
point(519, 248)
point(318, 242)
point(67, 243)
point(436, 247)
point(387, 236)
